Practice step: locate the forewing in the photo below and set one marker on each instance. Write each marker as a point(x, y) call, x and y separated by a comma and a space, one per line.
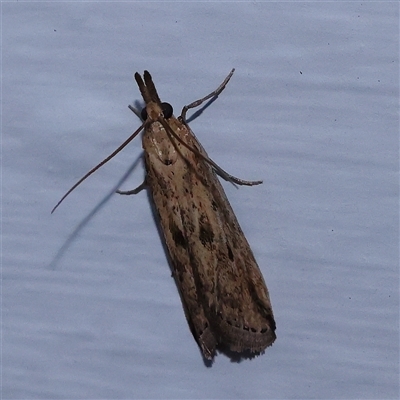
point(223, 292)
point(165, 170)
point(229, 281)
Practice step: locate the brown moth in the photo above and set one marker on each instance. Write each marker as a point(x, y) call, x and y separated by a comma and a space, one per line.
point(224, 296)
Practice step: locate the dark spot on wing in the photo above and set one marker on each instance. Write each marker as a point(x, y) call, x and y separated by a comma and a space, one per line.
point(230, 254)
point(206, 235)
point(177, 235)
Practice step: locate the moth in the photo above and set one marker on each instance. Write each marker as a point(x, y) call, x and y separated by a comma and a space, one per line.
point(224, 296)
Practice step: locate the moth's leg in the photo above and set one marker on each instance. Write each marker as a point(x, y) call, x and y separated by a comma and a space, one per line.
point(200, 101)
point(235, 180)
point(134, 191)
point(223, 174)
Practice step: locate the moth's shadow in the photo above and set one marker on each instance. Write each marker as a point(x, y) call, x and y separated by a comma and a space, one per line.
point(238, 357)
point(233, 356)
point(201, 110)
point(92, 213)
point(138, 105)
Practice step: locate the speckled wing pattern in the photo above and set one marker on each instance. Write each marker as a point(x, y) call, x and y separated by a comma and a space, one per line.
point(224, 295)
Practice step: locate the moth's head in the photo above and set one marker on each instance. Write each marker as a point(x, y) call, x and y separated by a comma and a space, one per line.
point(154, 107)
point(154, 110)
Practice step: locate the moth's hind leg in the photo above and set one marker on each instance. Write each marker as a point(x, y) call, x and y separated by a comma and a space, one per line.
point(134, 191)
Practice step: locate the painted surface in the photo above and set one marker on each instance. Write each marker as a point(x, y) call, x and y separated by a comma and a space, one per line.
point(89, 309)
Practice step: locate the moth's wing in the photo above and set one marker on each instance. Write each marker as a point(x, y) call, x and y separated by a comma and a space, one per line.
point(221, 287)
point(246, 320)
point(228, 280)
point(164, 186)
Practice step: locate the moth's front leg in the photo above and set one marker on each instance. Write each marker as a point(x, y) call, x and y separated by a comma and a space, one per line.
point(215, 93)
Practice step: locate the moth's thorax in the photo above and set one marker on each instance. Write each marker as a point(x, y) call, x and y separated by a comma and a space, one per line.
point(157, 142)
